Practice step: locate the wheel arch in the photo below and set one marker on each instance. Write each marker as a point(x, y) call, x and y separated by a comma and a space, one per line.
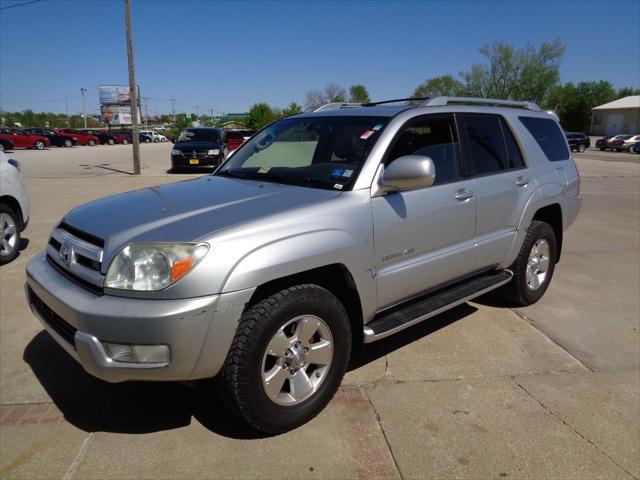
point(552, 214)
point(336, 278)
point(14, 205)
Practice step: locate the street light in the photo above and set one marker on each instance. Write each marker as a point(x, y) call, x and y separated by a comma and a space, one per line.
point(84, 114)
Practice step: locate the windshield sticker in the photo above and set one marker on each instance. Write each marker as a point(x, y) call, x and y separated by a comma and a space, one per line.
point(367, 134)
point(338, 186)
point(264, 169)
point(377, 127)
point(337, 172)
point(347, 173)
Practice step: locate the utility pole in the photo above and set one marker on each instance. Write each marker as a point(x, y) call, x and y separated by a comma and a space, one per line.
point(66, 107)
point(212, 116)
point(133, 91)
point(146, 111)
point(84, 113)
point(173, 111)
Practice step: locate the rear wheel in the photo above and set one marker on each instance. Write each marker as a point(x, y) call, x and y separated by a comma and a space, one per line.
point(111, 141)
point(91, 143)
point(67, 143)
point(1, 147)
point(581, 148)
point(9, 234)
point(39, 145)
point(125, 142)
point(288, 358)
point(534, 267)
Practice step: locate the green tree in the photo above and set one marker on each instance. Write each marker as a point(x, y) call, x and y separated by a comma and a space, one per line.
point(515, 73)
point(573, 103)
point(358, 94)
point(444, 85)
point(627, 92)
point(292, 109)
point(260, 114)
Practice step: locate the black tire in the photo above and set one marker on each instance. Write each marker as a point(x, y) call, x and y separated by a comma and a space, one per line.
point(241, 378)
point(91, 143)
point(15, 219)
point(67, 143)
point(602, 149)
point(39, 145)
point(581, 148)
point(518, 291)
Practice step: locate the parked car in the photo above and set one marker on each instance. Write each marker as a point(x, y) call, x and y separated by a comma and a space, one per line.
point(123, 138)
point(105, 138)
point(22, 139)
point(14, 208)
point(624, 142)
point(603, 142)
point(324, 231)
point(155, 136)
point(635, 148)
point(235, 138)
point(199, 147)
point(608, 143)
point(578, 141)
point(55, 138)
point(144, 138)
point(5, 144)
point(82, 138)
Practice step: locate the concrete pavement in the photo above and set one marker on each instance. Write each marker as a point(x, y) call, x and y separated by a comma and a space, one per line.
point(550, 391)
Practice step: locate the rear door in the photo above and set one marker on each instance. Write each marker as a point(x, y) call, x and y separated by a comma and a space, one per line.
point(502, 183)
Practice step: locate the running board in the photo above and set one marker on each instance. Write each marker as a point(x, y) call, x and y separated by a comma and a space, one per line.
point(415, 311)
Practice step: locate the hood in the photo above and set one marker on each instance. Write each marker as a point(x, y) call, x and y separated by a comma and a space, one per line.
point(190, 146)
point(186, 211)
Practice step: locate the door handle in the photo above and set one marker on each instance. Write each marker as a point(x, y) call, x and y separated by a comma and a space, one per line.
point(463, 194)
point(522, 181)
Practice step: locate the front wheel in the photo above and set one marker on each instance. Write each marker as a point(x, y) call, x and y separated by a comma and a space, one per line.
point(91, 143)
point(9, 234)
point(288, 358)
point(581, 148)
point(534, 267)
point(111, 141)
point(125, 142)
point(39, 145)
point(68, 143)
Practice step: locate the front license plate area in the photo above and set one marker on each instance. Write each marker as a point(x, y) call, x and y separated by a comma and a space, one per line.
point(194, 161)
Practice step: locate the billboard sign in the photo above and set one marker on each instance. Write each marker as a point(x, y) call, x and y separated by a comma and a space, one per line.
point(115, 115)
point(115, 95)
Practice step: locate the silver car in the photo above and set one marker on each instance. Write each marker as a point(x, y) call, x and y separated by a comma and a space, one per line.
point(325, 231)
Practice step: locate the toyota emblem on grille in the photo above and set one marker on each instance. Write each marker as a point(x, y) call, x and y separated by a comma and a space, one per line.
point(65, 253)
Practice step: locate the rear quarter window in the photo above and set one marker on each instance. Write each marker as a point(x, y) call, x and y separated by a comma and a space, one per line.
point(549, 137)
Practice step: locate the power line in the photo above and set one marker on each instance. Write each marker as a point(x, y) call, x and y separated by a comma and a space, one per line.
point(20, 4)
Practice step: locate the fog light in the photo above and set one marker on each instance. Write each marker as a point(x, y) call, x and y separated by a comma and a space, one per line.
point(137, 353)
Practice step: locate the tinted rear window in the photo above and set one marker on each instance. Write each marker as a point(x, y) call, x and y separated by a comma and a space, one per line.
point(549, 137)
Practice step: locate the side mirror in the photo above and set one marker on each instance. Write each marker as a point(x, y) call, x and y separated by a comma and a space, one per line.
point(408, 173)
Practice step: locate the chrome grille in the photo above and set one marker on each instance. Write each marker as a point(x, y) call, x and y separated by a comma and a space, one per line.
point(196, 154)
point(76, 256)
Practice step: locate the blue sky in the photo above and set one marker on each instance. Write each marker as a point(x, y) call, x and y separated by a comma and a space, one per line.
point(229, 55)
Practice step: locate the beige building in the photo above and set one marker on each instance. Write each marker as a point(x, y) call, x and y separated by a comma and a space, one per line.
point(619, 116)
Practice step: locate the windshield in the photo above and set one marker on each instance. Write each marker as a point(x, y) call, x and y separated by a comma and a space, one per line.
point(199, 135)
point(323, 152)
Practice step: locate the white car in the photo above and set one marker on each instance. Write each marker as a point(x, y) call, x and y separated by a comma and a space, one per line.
point(629, 142)
point(155, 136)
point(14, 208)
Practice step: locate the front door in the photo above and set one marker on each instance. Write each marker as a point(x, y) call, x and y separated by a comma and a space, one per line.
point(425, 237)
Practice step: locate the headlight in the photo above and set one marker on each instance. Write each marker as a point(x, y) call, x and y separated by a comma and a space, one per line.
point(153, 266)
point(215, 151)
point(176, 152)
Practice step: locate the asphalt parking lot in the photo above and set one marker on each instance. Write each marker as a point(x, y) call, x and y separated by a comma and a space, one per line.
point(483, 391)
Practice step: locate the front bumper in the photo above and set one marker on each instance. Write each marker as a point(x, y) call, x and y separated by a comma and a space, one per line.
point(198, 331)
point(178, 161)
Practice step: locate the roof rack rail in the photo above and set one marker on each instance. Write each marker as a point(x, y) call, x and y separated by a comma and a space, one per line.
point(382, 102)
point(443, 101)
point(337, 106)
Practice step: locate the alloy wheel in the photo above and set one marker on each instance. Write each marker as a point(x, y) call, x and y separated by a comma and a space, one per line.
point(8, 235)
point(538, 264)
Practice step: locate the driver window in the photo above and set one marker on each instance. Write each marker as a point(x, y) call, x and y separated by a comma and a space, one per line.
point(433, 137)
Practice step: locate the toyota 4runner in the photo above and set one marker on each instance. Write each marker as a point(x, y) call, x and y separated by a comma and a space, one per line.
point(324, 231)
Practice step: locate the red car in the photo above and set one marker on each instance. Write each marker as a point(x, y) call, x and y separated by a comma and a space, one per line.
point(235, 138)
point(82, 137)
point(122, 137)
point(21, 139)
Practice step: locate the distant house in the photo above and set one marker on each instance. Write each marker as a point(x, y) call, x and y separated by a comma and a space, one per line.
point(619, 116)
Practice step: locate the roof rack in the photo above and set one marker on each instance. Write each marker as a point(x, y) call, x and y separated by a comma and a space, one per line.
point(443, 101)
point(382, 102)
point(337, 106)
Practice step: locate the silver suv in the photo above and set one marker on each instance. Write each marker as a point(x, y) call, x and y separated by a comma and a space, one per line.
point(324, 231)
